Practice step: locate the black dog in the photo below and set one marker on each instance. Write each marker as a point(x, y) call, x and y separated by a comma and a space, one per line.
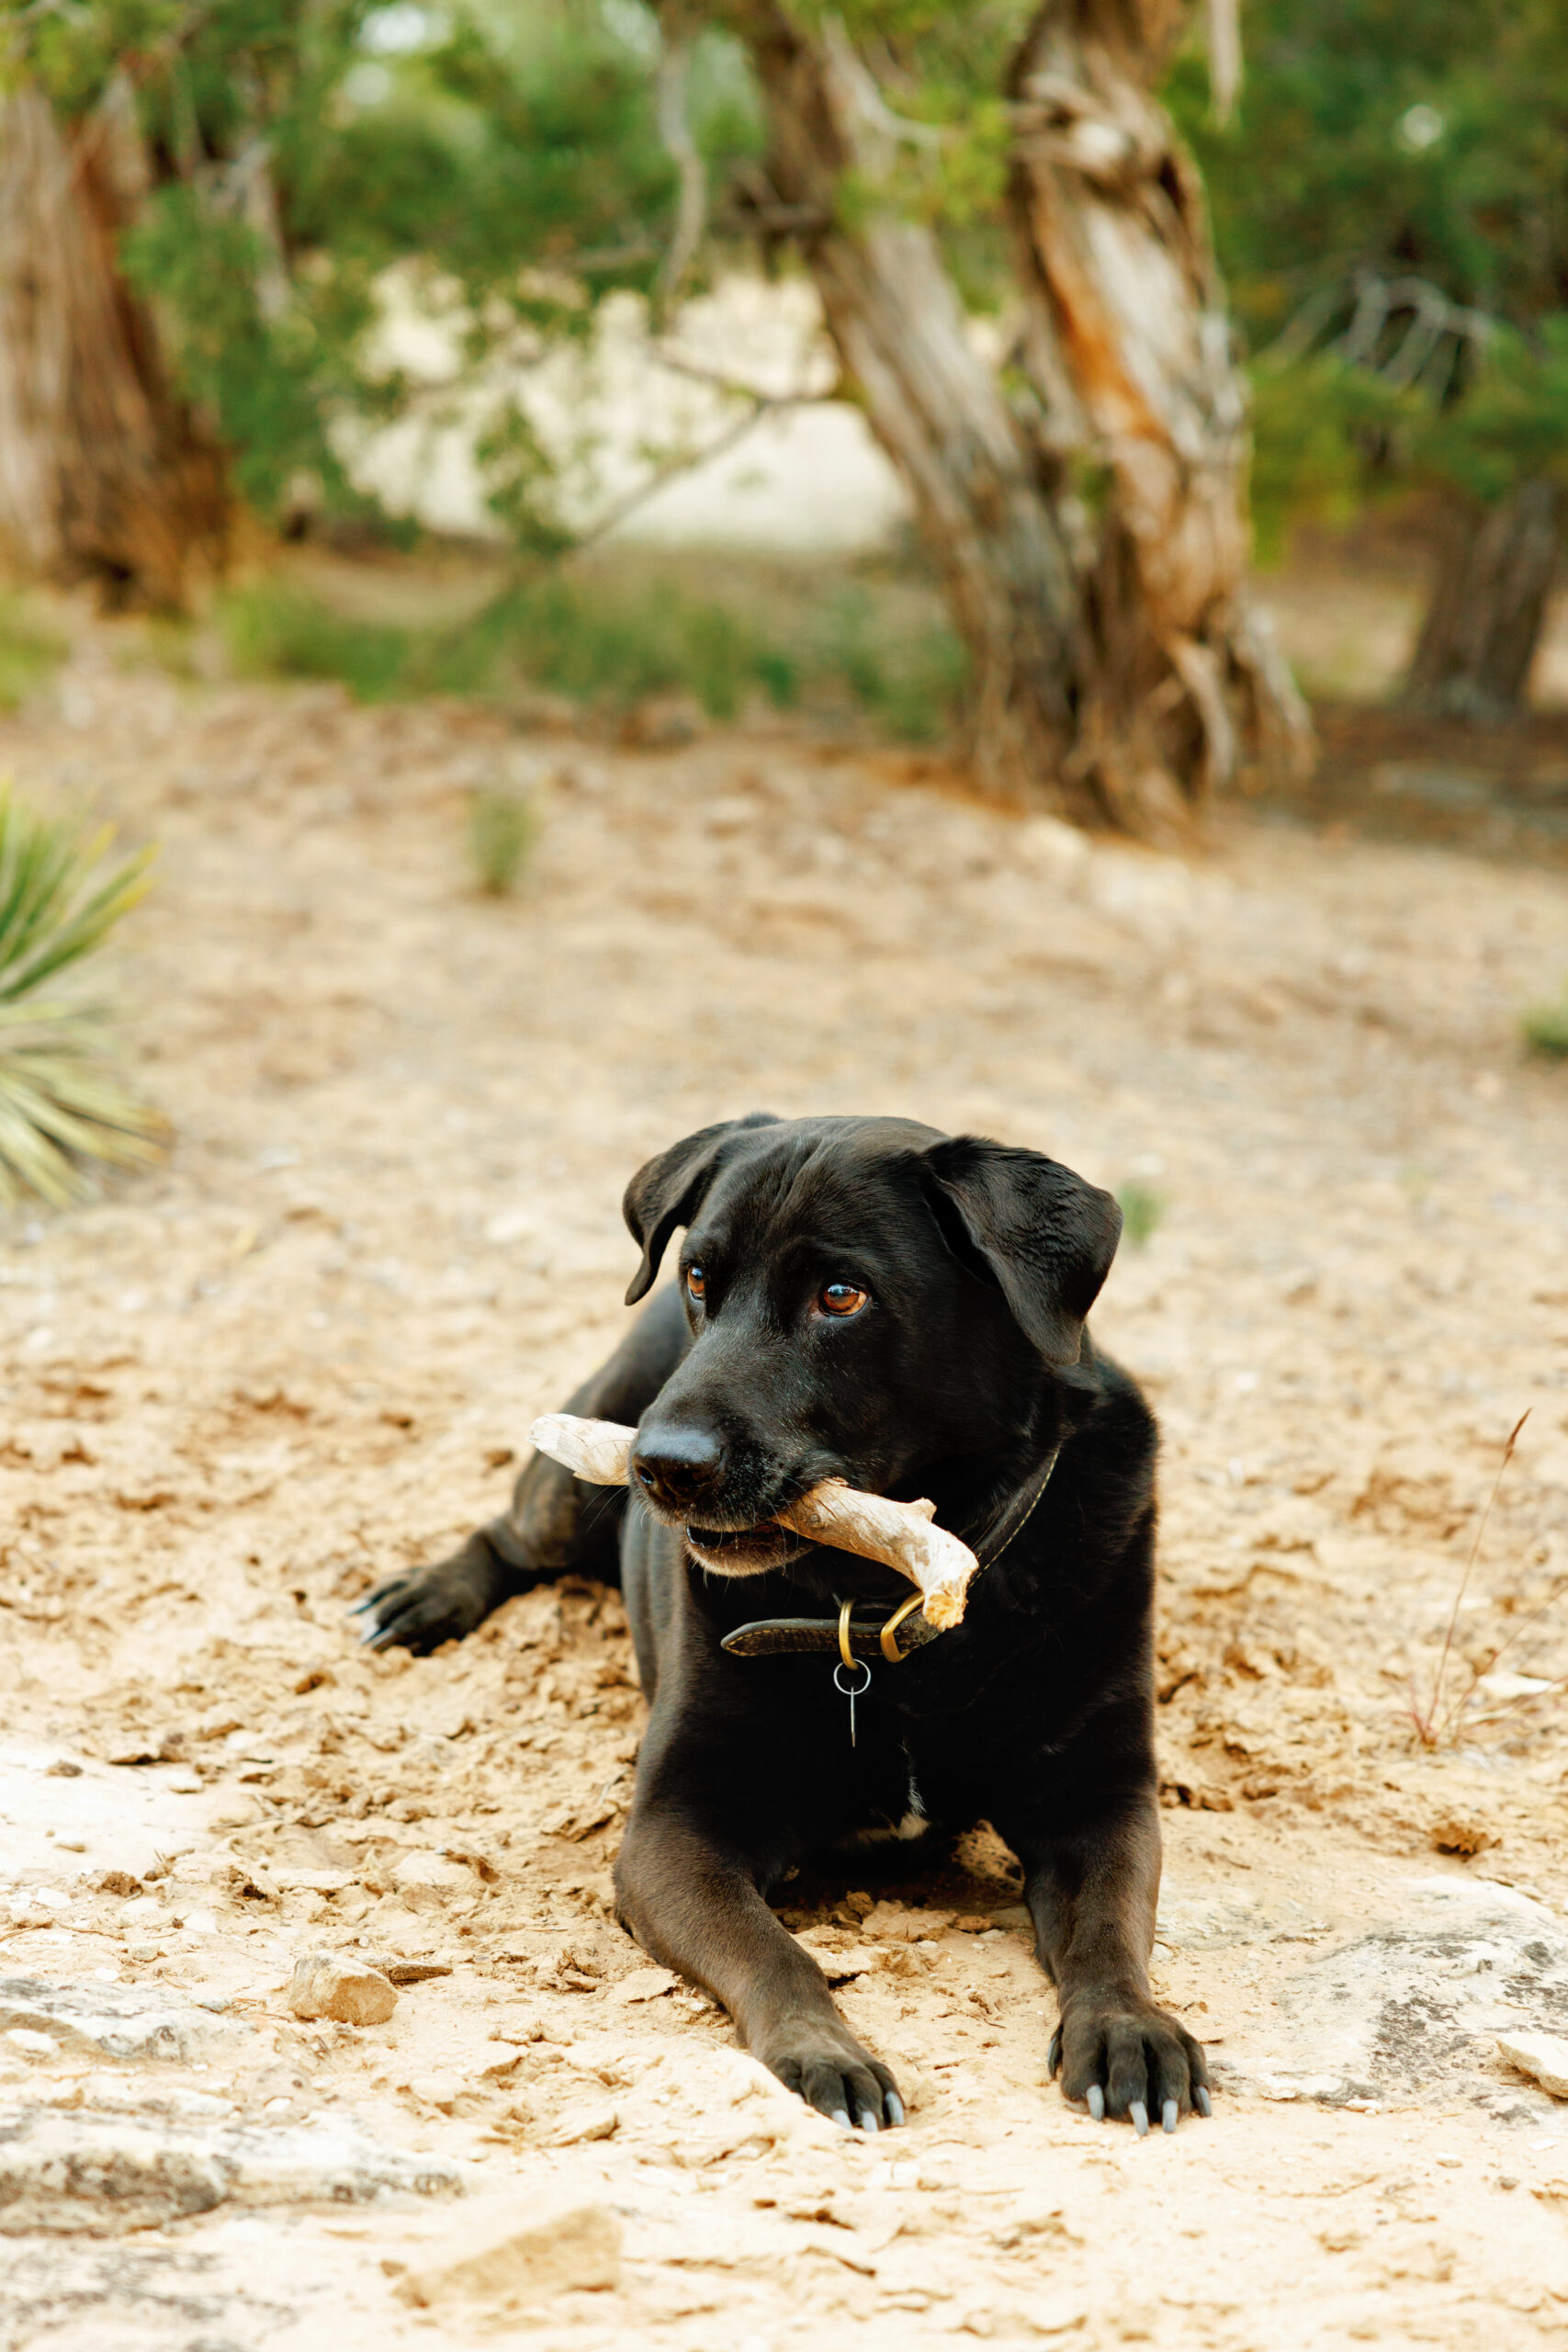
point(869, 1300)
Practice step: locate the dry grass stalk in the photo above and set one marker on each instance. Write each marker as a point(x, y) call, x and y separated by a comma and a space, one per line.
point(1430, 1726)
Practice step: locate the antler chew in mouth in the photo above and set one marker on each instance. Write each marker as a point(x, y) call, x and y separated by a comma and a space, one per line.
point(901, 1535)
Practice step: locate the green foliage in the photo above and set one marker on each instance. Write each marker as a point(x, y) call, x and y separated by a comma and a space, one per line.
point(507, 159)
point(1545, 1030)
point(909, 679)
point(610, 644)
point(1380, 143)
point(28, 652)
point(62, 1106)
point(1143, 1210)
point(1423, 141)
point(501, 831)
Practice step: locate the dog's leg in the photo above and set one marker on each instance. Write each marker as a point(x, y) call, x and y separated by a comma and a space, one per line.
point(695, 1906)
point(1092, 1896)
point(555, 1525)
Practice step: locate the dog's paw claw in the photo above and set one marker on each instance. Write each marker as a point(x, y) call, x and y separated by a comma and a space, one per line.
point(1138, 2114)
point(895, 2108)
point(1096, 2099)
point(841, 2118)
point(1202, 2101)
point(1168, 2114)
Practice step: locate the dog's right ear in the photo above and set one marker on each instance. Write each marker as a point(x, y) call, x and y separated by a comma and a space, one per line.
point(666, 1192)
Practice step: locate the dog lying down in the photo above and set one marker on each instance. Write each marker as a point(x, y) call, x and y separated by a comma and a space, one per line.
point(869, 1319)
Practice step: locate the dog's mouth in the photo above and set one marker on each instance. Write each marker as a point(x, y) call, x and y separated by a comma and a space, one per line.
point(743, 1551)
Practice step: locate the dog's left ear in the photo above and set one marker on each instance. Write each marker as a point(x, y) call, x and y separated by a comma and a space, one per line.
point(666, 1192)
point(1043, 1235)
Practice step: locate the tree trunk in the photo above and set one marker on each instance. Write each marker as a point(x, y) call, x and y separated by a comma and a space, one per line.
point(984, 502)
point(105, 473)
point(1119, 666)
point(1128, 347)
point(1488, 605)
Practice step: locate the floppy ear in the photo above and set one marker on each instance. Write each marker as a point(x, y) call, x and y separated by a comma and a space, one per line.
point(666, 1192)
point(1040, 1232)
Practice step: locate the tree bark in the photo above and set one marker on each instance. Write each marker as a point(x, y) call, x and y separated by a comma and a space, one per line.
point(1488, 605)
point(1128, 347)
point(984, 499)
point(105, 475)
point(1120, 668)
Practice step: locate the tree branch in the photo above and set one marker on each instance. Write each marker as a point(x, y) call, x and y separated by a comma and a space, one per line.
point(683, 461)
point(676, 130)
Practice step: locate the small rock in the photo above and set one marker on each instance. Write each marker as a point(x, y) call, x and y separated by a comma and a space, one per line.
point(77, 2171)
point(31, 2045)
point(579, 2124)
point(1543, 2056)
point(646, 1984)
point(894, 1923)
point(62, 1769)
point(1461, 1833)
point(326, 1984)
point(502, 2257)
point(664, 723)
point(543, 714)
point(427, 1881)
point(408, 1972)
point(438, 2090)
point(117, 1882)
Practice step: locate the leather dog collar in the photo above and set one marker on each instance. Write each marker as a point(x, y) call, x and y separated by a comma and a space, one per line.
point(907, 1629)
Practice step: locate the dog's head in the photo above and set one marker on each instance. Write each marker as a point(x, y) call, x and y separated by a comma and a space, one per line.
point(869, 1300)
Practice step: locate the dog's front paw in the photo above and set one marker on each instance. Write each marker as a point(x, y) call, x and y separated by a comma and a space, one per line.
point(1123, 2056)
point(831, 2073)
point(419, 1610)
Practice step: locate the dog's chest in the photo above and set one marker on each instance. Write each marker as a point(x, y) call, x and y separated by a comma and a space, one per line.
point(883, 1829)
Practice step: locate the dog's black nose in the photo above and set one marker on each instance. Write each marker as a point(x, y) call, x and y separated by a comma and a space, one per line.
point(677, 1466)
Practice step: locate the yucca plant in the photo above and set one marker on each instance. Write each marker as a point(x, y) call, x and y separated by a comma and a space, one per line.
point(61, 1106)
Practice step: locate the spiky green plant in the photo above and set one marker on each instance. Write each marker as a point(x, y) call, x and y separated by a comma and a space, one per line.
point(61, 1106)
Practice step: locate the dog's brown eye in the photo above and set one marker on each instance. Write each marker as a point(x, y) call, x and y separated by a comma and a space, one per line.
point(696, 1283)
point(841, 1298)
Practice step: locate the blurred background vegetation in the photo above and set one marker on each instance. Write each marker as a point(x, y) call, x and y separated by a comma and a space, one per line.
point(271, 187)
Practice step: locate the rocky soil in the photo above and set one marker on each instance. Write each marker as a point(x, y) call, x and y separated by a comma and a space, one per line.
point(239, 1391)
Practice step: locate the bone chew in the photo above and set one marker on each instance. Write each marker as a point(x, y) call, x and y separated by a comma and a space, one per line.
point(901, 1535)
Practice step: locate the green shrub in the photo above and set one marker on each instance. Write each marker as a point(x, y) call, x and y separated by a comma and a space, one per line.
point(61, 1106)
point(611, 645)
point(276, 631)
point(1545, 1030)
point(1143, 1210)
point(502, 829)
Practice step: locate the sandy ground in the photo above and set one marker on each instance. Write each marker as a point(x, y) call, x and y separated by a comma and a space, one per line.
point(239, 1391)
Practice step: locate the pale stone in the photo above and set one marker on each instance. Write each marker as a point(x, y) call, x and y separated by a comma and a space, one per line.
point(1543, 2056)
point(595, 2123)
point(31, 2045)
point(129, 2025)
point(326, 1984)
point(77, 2171)
point(646, 1984)
point(439, 1871)
point(438, 2090)
point(508, 2255)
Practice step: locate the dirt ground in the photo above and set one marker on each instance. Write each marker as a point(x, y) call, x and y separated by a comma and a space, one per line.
point(307, 1352)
